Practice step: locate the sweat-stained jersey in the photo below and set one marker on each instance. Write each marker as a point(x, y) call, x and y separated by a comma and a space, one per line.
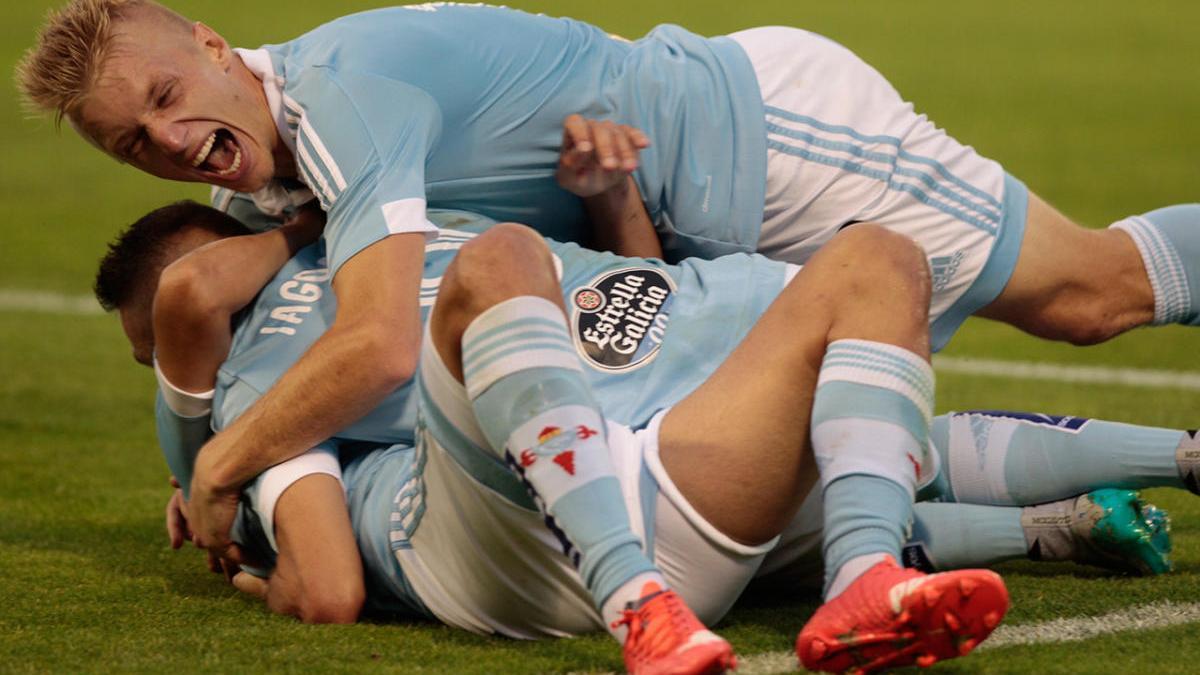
point(461, 106)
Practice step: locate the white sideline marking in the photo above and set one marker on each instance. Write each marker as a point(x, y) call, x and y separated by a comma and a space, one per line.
point(58, 303)
point(1029, 370)
point(17, 300)
point(1069, 629)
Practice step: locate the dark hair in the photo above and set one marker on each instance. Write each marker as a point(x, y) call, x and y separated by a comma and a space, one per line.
point(138, 252)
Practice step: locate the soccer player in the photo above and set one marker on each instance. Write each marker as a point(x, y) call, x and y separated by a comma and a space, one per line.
point(372, 115)
point(1136, 552)
point(498, 351)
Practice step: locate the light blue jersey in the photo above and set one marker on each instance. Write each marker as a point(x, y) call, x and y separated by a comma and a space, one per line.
point(461, 106)
point(648, 333)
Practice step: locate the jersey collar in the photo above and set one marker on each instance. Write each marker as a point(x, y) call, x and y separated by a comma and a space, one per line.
point(258, 61)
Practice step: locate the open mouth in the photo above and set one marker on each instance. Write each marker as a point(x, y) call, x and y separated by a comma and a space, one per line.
point(220, 154)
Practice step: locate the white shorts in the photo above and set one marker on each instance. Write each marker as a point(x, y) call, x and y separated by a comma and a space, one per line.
point(843, 147)
point(483, 559)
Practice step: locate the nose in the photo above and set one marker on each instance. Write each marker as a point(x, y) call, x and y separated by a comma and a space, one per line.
point(169, 135)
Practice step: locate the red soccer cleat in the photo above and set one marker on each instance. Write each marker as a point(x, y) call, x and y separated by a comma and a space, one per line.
point(892, 616)
point(665, 637)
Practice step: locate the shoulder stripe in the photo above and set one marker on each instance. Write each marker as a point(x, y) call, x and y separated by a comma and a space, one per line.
point(291, 109)
point(331, 167)
point(316, 181)
point(221, 198)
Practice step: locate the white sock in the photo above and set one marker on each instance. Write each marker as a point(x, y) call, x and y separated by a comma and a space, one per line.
point(851, 570)
point(627, 594)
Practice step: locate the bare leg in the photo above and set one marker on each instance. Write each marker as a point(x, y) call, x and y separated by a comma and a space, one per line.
point(1074, 284)
point(500, 327)
point(738, 447)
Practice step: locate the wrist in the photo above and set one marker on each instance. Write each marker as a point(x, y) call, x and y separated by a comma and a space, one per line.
point(611, 199)
point(213, 475)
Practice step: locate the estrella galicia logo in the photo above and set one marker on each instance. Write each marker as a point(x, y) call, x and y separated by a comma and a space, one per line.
point(620, 317)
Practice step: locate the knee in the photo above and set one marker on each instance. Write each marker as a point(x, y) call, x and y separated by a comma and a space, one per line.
point(505, 261)
point(503, 248)
point(876, 262)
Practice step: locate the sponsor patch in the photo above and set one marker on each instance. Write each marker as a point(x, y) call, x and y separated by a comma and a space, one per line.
point(619, 318)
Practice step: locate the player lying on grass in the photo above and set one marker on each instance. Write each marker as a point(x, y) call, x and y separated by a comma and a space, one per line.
point(1139, 551)
point(499, 374)
point(772, 139)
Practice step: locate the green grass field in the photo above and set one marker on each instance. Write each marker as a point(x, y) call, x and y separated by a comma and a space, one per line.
point(1094, 105)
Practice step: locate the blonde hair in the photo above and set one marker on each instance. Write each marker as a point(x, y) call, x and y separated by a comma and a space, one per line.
point(63, 65)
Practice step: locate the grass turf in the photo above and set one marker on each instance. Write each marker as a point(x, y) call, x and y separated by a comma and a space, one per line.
point(1092, 105)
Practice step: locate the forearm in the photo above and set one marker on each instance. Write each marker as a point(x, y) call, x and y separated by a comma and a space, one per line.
point(333, 385)
point(199, 293)
point(621, 224)
point(235, 269)
point(370, 349)
point(318, 575)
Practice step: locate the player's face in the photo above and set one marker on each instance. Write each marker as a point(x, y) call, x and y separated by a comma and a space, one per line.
point(181, 106)
point(136, 322)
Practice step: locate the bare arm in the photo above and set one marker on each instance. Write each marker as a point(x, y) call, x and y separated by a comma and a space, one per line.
point(620, 222)
point(596, 163)
point(198, 294)
point(318, 576)
point(371, 348)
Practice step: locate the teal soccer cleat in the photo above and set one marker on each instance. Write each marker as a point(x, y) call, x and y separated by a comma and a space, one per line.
point(1132, 535)
point(1111, 528)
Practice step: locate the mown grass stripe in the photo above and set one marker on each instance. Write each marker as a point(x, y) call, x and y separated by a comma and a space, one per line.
point(46, 302)
point(1030, 370)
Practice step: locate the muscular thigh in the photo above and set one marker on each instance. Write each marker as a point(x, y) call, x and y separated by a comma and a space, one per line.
point(1073, 283)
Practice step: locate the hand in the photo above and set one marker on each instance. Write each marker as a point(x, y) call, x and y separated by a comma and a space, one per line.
point(211, 512)
point(597, 155)
point(177, 523)
point(307, 222)
point(251, 585)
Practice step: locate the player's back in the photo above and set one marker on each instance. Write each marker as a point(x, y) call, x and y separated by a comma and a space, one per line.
point(502, 81)
point(648, 333)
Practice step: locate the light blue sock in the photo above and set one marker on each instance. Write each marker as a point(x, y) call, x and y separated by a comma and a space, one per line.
point(957, 536)
point(870, 426)
point(1010, 458)
point(534, 406)
point(1169, 242)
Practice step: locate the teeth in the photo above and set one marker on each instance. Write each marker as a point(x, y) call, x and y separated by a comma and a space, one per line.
point(237, 163)
point(203, 154)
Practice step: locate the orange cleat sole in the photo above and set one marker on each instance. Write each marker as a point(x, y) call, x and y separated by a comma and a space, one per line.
point(946, 617)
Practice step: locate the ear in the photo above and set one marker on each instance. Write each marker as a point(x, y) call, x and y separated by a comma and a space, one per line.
point(213, 45)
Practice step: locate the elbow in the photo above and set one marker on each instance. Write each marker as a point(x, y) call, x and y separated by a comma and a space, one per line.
point(393, 356)
point(184, 288)
point(340, 603)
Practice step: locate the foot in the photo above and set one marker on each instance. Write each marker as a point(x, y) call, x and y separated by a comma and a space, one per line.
point(1113, 529)
point(666, 637)
point(891, 616)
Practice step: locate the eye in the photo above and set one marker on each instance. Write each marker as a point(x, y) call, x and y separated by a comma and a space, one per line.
point(166, 96)
point(134, 146)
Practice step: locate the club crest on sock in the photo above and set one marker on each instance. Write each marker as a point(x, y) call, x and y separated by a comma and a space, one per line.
point(558, 445)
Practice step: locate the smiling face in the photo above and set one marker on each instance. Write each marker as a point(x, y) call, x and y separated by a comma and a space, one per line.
point(177, 103)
